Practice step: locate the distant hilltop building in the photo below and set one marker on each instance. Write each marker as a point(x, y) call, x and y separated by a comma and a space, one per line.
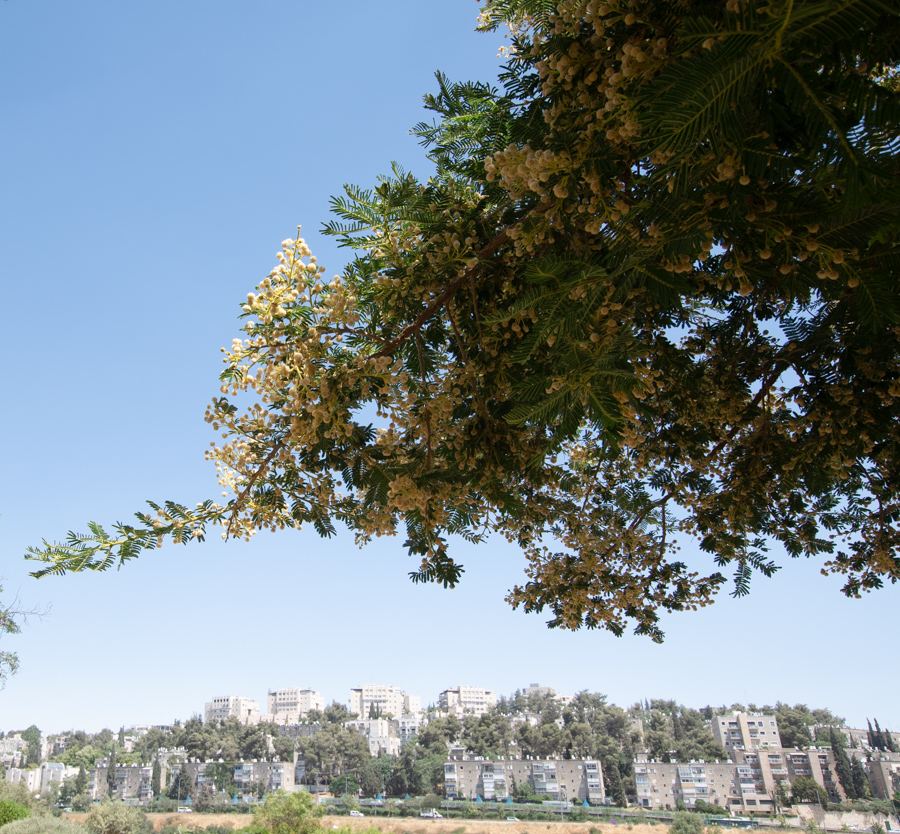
point(383, 701)
point(246, 710)
point(292, 705)
point(537, 689)
point(474, 700)
point(740, 731)
point(547, 692)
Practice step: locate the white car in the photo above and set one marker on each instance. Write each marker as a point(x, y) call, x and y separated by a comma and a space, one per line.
point(431, 814)
point(356, 814)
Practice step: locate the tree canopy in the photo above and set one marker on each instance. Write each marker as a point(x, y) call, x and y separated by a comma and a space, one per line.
point(649, 296)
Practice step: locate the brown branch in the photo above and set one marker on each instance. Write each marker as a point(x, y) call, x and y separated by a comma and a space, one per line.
point(439, 300)
point(479, 400)
point(428, 450)
point(476, 311)
point(278, 447)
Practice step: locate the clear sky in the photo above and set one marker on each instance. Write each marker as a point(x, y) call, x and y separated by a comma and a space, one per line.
point(153, 156)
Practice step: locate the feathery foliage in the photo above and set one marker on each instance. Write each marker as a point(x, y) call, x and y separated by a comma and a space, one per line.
point(649, 296)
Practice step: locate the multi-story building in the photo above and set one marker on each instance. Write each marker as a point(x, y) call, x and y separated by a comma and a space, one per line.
point(769, 767)
point(29, 777)
point(250, 778)
point(385, 701)
point(12, 749)
point(292, 705)
point(382, 734)
point(474, 700)
point(409, 725)
point(570, 779)
point(132, 781)
point(41, 779)
point(749, 784)
point(883, 770)
point(857, 739)
point(246, 710)
point(740, 731)
point(274, 776)
point(662, 785)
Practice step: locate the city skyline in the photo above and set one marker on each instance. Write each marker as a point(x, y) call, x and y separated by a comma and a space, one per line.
point(157, 157)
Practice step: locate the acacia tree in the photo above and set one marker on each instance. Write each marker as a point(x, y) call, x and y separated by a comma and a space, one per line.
point(9, 661)
point(648, 296)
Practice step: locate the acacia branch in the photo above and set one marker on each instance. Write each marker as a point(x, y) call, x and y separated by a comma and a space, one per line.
point(278, 447)
point(439, 300)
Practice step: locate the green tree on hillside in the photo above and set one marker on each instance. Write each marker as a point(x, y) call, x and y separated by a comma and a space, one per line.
point(842, 763)
point(859, 779)
point(155, 779)
point(111, 782)
point(806, 789)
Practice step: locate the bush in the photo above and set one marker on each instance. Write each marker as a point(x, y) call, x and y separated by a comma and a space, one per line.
point(684, 822)
point(288, 813)
point(11, 810)
point(117, 818)
point(43, 825)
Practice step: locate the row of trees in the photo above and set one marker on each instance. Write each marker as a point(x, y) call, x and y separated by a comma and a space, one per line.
point(881, 739)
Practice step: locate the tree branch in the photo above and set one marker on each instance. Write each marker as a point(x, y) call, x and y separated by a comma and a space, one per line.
point(442, 298)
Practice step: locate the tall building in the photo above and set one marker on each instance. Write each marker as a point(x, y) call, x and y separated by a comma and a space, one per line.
point(474, 700)
point(290, 706)
point(246, 710)
point(740, 731)
point(383, 700)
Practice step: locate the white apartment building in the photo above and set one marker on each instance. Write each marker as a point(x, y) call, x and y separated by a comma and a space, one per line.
point(41, 779)
point(387, 701)
point(292, 705)
point(246, 710)
point(409, 725)
point(740, 731)
point(381, 733)
point(474, 700)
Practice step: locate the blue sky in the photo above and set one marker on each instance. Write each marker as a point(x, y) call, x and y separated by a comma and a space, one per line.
point(154, 156)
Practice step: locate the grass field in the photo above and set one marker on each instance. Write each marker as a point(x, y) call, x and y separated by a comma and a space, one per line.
point(406, 825)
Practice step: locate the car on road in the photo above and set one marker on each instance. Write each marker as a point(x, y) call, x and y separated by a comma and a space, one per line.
point(512, 819)
point(357, 814)
point(431, 814)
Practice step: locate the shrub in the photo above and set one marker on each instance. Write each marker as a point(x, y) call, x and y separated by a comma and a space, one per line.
point(43, 825)
point(288, 813)
point(684, 822)
point(11, 810)
point(117, 818)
